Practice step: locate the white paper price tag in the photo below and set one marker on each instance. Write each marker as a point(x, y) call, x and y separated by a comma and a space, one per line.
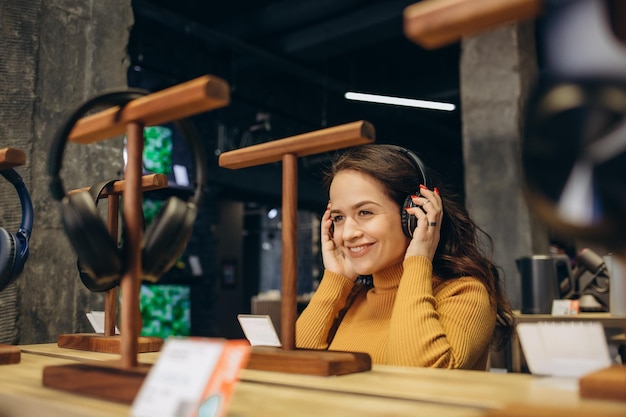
point(193, 377)
point(259, 330)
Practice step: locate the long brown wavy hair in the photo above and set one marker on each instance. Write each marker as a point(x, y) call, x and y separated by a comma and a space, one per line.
point(464, 248)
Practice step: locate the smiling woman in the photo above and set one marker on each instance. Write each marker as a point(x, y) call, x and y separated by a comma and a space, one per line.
point(434, 297)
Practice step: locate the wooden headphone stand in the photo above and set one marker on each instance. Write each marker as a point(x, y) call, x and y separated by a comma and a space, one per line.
point(287, 358)
point(110, 342)
point(9, 158)
point(120, 380)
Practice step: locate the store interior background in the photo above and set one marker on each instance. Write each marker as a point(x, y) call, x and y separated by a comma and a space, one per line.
point(288, 64)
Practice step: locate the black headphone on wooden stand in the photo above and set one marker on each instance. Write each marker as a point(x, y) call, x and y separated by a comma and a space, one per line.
point(14, 246)
point(101, 261)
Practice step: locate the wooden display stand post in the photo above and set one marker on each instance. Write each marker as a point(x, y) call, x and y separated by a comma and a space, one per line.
point(436, 23)
point(10, 158)
point(120, 380)
point(288, 358)
point(110, 342)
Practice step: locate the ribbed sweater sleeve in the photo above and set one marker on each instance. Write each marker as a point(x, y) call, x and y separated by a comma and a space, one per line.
point(314, 323)
point(448, 327)
point(411, 319)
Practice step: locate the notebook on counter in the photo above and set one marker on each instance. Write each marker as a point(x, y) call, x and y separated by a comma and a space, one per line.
point(565, 349)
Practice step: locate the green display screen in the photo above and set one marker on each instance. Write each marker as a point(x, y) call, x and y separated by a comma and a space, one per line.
point(165, 310)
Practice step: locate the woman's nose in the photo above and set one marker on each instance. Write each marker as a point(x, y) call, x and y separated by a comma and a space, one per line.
point(350, 230)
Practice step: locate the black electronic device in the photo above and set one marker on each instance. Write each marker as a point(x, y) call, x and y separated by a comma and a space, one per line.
point(592, 281)
point(409, 221)
point(166, 237)
point(14, 246)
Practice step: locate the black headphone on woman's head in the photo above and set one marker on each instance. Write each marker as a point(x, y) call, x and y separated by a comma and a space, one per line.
point(409, 222)
point(14, 247)
point(100, 260)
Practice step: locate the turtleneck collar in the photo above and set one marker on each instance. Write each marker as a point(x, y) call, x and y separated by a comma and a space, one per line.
point(388, 278)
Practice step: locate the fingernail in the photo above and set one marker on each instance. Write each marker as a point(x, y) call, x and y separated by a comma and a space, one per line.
point(414, 196)
point(423, 187)
point(406, 208)
point(437, 190)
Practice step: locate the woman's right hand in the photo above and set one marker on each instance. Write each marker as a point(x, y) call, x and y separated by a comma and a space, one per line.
point(332, 256)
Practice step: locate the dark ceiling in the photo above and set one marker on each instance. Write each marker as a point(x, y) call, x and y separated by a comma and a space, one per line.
point(292, 61)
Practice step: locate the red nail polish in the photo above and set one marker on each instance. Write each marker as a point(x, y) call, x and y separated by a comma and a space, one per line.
point(437, 190)
point(423, 187)
point(414, 196)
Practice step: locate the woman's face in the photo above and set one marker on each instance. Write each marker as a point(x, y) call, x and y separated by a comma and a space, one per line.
point(367, 224)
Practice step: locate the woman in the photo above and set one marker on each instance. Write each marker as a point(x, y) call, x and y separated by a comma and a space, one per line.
point(435, 297)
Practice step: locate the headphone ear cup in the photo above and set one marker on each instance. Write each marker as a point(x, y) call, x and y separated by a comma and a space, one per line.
point(166, 237)
point(7, 258)
point(409, 221)
point(97, 252)
point(93, 284)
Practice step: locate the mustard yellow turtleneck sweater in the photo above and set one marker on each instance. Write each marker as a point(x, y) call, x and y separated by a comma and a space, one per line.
point(409, 318)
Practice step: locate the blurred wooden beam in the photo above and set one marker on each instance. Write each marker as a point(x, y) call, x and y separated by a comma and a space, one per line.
point(436, 23)
point(11, 157)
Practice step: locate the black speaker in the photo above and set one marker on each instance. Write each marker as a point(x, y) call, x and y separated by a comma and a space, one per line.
point(100, 261)
point(14, 246)
point(409, 221)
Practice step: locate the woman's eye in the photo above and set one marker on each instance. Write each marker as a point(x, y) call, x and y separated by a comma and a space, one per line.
point(336, 219)
point(364, 213)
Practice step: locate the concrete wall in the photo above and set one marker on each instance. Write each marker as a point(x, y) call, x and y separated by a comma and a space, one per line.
point(497, 72)
point(56, 54)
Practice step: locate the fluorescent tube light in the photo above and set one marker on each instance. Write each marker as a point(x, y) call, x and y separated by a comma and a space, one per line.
point(398, 101)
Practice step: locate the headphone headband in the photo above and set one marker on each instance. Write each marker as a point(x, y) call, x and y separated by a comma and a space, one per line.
point(120, 98)
point(414, 159)
point(26, 226)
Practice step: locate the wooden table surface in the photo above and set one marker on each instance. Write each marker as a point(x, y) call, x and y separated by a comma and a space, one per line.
point(385, 390)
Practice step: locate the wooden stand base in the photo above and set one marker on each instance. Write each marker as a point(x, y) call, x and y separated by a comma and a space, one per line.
point(605, 384)
point(308, 362)
point(104, 380)
point(9, 354)
point(106, 344)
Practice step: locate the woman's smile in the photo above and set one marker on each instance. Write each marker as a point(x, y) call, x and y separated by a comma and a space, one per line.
point(358, 251)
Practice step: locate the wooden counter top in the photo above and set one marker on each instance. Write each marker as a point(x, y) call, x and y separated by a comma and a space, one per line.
point(385, 390)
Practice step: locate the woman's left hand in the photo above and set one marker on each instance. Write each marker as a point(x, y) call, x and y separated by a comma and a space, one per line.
point(429, 214)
